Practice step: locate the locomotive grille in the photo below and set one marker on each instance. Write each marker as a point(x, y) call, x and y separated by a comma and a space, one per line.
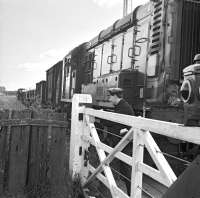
point(156, 28)
point(190, 33)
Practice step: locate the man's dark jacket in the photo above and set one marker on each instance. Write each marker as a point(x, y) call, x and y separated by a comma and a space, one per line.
point(122, 108)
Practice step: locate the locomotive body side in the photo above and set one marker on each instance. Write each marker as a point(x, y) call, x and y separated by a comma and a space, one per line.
point(74, 64)
point(143, 53)
point(120, 58)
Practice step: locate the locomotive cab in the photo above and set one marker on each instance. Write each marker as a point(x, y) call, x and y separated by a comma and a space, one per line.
point(190, 93)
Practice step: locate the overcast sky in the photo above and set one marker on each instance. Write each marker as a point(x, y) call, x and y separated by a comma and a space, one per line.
point(36, 34)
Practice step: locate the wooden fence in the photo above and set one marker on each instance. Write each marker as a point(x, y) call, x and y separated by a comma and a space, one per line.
point(84, 134)
point(33, 152)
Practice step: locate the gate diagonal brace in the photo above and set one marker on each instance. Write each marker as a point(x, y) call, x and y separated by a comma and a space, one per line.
point(120, 146)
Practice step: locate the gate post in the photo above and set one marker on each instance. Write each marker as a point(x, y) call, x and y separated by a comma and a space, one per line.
point(78, 147)
point(137, 157)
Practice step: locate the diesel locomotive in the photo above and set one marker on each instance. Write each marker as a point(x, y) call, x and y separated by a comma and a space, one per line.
point(145, 53)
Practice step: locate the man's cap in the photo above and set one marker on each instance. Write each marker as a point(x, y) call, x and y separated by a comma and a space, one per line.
point(197, 57)
point(113, 91)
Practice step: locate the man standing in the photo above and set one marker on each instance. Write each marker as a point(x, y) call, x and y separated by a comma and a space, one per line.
point(121, 107)
point(116, 98)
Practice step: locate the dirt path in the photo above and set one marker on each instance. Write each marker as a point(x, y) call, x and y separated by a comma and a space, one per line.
point(10, 102)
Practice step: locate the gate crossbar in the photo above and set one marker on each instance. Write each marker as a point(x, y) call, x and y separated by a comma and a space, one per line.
point(169, 129)
point(120, 146)
point(83, 132)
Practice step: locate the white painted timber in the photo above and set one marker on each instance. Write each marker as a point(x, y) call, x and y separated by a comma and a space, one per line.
point(77, 129)
point(102, 157)
point(136, 176)
point(120, 155)
point(83, 133)
point(173, 130)
point(158, 158)
point(120, 146)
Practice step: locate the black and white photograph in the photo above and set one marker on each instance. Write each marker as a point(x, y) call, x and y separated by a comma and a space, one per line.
point(99, 98)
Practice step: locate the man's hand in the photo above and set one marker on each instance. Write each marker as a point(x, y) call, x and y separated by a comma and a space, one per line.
point(123, 131)
point(97, 120)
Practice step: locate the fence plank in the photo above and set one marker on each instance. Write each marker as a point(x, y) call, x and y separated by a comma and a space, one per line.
point(2, 156)
point(43, 154)
point(57, 159)
point(169, 129)
point(120, 146)
point(33, 165)
point(24, 150)
point(158, 158)
point(102, 157)
point(18, 159)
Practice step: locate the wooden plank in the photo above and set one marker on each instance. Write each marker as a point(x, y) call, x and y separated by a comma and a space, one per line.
point(136, 175)
point(2, 157)
point(36, 122)
point(123, 157)
point(57, 159)
point(7, 152)
point(33, 165)
point(102, 157)
point(43, 154)
point(120, 146)
point(173, 130)
point(158, 158)
point(18, 159)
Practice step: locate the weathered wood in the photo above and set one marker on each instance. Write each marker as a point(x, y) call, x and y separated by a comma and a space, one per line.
point(2, 157)
point(43, 154)
point(33, 163)
point(18, 158)
point(36, 122)
point(57, 159)
point(26, 150)
point(7, 153)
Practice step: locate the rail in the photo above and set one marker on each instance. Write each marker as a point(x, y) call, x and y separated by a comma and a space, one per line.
point(84, 133)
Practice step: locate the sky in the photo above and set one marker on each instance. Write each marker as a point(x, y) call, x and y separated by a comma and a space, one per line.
point(36, 34)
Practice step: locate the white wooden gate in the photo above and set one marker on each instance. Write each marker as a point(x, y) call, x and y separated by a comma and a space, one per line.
point(84, 133)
